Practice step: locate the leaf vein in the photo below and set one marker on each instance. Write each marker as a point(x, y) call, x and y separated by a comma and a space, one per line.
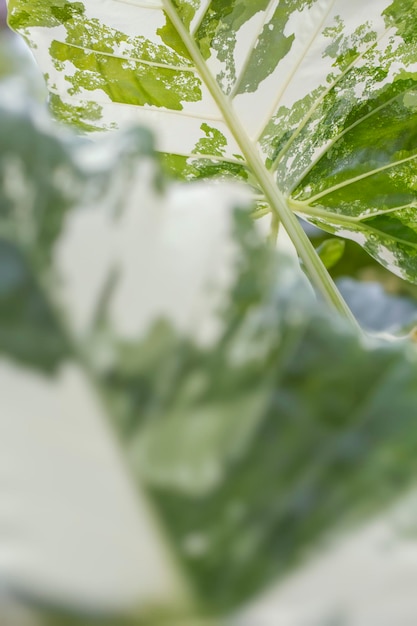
point(167, 66)
point(320, 99)
point(355, 179)
point(340, 135)
point(251, 47)
point(144, 107)
point(291, 75)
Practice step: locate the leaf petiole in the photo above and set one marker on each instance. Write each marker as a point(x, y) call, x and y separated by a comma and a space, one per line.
point(316, 270)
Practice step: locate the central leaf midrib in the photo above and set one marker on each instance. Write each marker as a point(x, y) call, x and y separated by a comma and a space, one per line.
point(278, 204)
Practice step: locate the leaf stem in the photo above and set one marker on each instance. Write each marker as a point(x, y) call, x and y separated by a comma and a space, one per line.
point(273, 235)
point(319, 276)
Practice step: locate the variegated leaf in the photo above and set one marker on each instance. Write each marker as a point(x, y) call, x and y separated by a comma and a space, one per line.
point(249, 439)
point(321, 95)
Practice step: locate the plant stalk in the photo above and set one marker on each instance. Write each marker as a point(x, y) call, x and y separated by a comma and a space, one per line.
point(316, 270)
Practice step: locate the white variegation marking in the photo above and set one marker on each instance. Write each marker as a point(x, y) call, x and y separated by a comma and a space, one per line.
point(74, 530)
point(174, 256)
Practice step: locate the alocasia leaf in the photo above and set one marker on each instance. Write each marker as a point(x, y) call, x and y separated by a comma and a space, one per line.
point(318, 96)
point(252, 447)
point(253, 419)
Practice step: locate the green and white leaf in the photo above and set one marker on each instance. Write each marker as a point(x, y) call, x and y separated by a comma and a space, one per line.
point(247, 436)
point(317, 95)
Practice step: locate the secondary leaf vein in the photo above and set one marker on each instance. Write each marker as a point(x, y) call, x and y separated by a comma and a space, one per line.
point(320, 99)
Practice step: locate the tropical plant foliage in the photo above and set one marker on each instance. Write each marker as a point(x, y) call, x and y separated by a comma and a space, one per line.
point(251, 418)
point(317, 95)
point(193, 421)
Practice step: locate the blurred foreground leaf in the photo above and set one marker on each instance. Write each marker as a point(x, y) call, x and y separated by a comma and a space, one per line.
point(253, 421)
